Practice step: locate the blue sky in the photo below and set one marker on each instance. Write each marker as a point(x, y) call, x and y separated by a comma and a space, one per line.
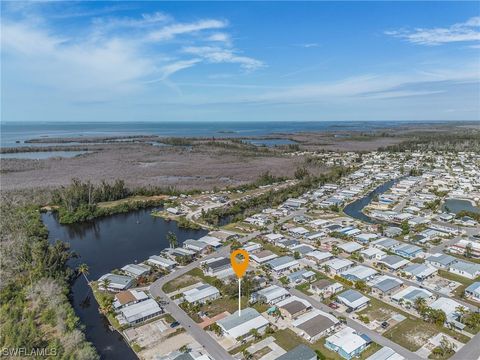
point(230, 61)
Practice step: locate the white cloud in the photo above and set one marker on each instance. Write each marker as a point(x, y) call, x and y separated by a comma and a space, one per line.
point(214, 54)
point(460, 32)
point(110, 55)
point(220, 37)
point(170, 31)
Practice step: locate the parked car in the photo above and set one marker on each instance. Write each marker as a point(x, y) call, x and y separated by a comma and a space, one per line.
point(174, 324)
point(385, 325)
point(333, 305)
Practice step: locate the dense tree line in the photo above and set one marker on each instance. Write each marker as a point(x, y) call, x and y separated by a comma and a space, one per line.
point(35, 311)
point(241, 209)
point(461, 141)
point(80, 193)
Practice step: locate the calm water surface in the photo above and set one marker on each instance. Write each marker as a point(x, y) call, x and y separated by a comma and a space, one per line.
point(106, 244)
point(41, 155)
point(457, 205)
point(355, 208)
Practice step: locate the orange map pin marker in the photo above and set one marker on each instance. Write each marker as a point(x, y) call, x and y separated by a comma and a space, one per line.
point(239, 267)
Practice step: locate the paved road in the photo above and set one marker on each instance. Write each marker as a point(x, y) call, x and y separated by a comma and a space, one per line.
point(470, 351)
point(200, 335)
point(379, 339)
point(412, 192)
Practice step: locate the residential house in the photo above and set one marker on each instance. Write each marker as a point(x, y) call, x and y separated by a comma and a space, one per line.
point(450, 308)
point(219, 267)
point(338, 265)
point(139, 312)
point(283, 264)
point(347, 343)
point(301, 352)
point(386, 285)
point(385, 353)
point(315, 324)
point(201, 294)
point(465, 269)
point(473, 291)
point(441, 261)
point(293, 307)
point(408, 251)
point(136, 270)
point(263, 256)
point(162, 262)
point(128, 297)
point(410, 294)
point(350, 247)
point(393, 262)
point(420, 272)
point(116, 282)
point(386, 244)
point(197, 246)
point(353, 299)
point(464, 245)
point(239, 325)
point(270, 295)
point(301, 276)
point(318, 256)
point(359, 273)
point(372, 253)
point(325, 288)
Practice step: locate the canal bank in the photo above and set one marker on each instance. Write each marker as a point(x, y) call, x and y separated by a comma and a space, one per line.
point(106, 244)
point(355, 208)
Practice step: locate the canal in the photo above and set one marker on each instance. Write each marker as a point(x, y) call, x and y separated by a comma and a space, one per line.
point(106, 244)
point(355, 208)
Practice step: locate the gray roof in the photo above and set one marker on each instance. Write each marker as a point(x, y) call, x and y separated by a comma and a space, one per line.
point(351, 295)
point(220, 263)
point(474, 287)
point(415, 269)
point(443, 259)
point(413, 295)
point(294, 307)
point(118, 279)
point(466, 266)
point(280, 261)
point(301, 352)
point(234, 320)
point(392, 259)
point(387, 285)
point(316, 325)
point(408, 249)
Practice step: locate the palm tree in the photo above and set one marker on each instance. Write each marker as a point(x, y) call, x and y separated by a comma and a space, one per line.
point(420, 304)
point(83, 269)
point(106, 284)
point(172, 239)
point(461, 311)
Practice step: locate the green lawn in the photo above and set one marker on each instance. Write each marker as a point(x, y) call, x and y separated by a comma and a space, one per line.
point(412, 334)
point(378, 310)
point(457, 278)
point(287, 340)
point(275, 249)
point(305, 288)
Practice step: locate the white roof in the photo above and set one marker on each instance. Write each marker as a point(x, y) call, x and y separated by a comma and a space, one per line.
point(273, 236)
point(235, 325)
point(372, 251)
point(361, 272)
point(311, 314)
point(447, 305)
point(299, 230)
point(319, 255)
point(273, 292)
point(385, 353)
point(347, 339)
point(293, 298)
point(140, 310)
point(338, 263)
point(161, 261)
point(350, 246)
point(210, 240)
point(200, 292)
